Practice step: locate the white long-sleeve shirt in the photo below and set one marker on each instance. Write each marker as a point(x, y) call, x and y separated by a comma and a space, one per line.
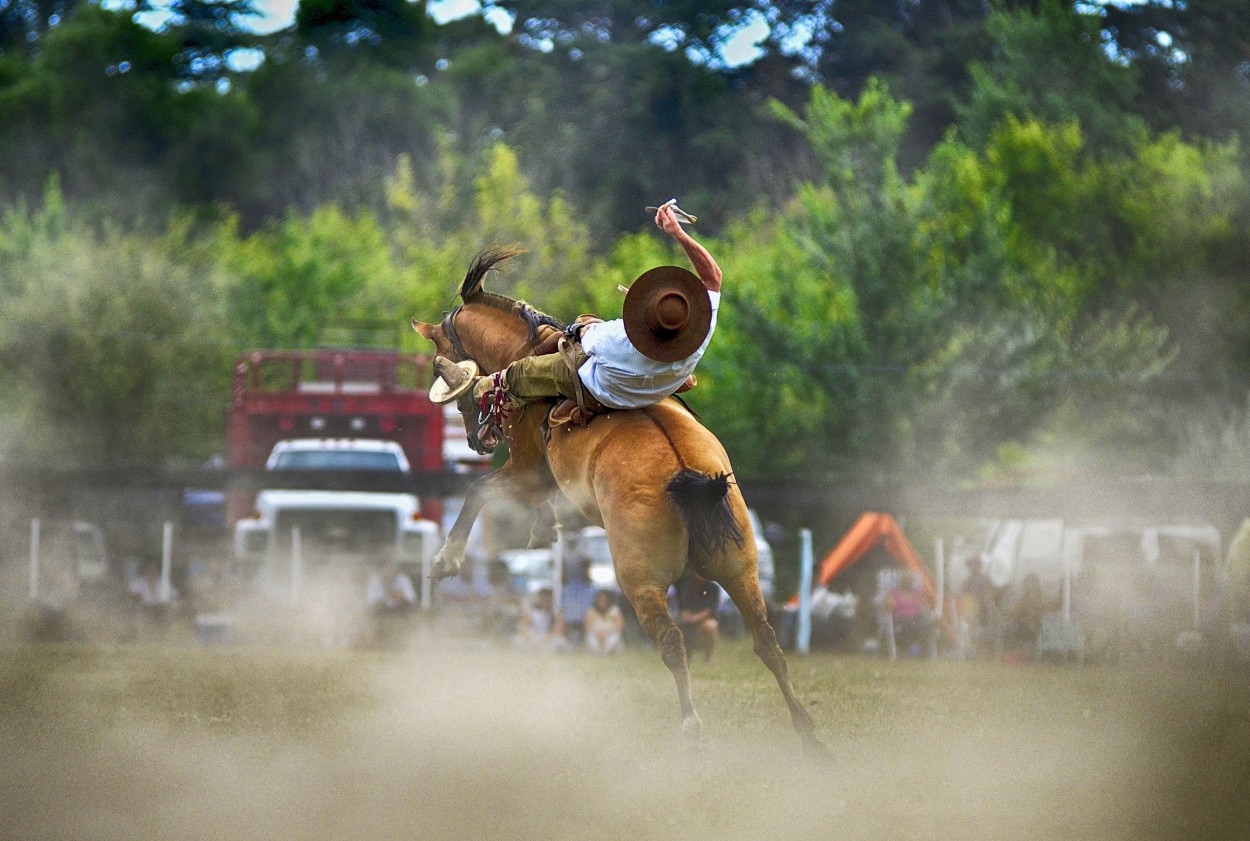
point(621, 377)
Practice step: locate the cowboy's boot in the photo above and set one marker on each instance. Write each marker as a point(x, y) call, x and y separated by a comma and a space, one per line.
point(452, 374)
point(452, 379)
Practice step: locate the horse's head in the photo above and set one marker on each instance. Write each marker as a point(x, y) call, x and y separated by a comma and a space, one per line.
point(490, 329)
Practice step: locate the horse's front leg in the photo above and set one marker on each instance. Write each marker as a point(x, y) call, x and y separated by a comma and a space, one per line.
point(544, 531)
point(450, 558)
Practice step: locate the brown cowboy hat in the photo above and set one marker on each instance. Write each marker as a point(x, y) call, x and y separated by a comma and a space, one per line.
point(667, 313)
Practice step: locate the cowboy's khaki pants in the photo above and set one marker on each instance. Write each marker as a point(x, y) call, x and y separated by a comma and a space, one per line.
point(537, 377)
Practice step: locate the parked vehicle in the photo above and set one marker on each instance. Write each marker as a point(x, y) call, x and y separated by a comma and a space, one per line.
point(378, 395)
point(530, 569)
point(336, 526)
point(591, 543)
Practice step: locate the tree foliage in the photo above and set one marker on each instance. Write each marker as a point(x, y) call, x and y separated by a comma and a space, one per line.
point(952, 232)
point(113, 351)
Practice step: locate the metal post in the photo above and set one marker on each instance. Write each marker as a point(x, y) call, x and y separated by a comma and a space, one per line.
point(297, 565)
point(803, 639)
point(33, 591)
point(1067, 588)
point(427, 586)
point(165, 589)
point(1197, 590)
point(557, 573)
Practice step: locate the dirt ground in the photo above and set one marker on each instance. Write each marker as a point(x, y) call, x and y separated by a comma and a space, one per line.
point(449, 739)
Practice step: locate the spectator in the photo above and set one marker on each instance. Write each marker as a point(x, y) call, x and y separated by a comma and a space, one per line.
point(501, 608)
point(576, 599)
point(147, 589)
point(604, 623)
point(459, 588)
point(540, 628)
point(1024, 623)
point(49, 618)
point(390, 590)
point(978, 603)
point(912, 620)
point(697, 600)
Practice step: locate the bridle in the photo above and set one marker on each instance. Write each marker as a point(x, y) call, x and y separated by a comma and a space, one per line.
point(449, 329)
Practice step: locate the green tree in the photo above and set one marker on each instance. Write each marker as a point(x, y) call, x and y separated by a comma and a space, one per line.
point(1192, 58)
point(393, 33)
point(783, 382)
point(208, 31)
point(23, 23)
point(436, 233)
point(920, 49)
point(114, 352)
point(1051, 63)
point(970, 312)
point(304, 275)
point(685, 24)
point(92, 105)
point(333, 130)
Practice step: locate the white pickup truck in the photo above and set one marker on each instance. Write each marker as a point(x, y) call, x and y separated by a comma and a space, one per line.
point(336, 527)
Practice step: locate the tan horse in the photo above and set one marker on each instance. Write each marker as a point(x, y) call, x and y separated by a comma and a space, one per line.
point(654, 478)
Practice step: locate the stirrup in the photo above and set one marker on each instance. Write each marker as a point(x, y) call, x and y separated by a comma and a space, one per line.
point(494, 405)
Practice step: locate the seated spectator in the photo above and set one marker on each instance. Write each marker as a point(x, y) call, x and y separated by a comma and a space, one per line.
point(697, 600)
point(390, 590)
point(540, 628)
point(604, 624)
point(575, 599)
point(912, 620)
point(459, 589)
point(50, 616)
point(147, 590)
point(1024, 621)
point(501, 601)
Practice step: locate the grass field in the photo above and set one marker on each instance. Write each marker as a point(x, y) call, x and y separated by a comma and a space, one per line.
point(449, 739)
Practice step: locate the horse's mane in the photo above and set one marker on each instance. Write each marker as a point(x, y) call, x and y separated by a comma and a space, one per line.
point(472, 289)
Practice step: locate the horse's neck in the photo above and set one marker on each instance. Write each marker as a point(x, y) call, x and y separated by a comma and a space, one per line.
point(497, 339)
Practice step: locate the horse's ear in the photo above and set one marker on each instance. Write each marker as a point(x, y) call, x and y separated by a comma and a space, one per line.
point(426, 330)
point(436, 334)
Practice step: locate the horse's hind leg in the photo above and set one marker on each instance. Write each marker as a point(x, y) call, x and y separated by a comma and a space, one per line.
point(746, 594)
point(652, 609)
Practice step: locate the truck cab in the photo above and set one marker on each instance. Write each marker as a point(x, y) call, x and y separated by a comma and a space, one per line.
point(335, 527)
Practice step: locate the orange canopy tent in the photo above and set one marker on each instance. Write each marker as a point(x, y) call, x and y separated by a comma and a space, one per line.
point(872, 530)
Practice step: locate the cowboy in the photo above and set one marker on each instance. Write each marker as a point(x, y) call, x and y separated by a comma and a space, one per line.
point(637, 360)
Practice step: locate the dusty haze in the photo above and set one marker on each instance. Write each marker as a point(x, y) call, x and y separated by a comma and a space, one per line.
point(456, 740)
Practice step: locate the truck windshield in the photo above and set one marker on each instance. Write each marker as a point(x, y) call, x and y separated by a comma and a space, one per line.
point(337, 460)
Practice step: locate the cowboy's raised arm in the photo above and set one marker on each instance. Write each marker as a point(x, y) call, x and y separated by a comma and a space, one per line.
point(704, 266)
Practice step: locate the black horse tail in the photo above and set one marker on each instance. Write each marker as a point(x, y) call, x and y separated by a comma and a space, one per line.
point(703, 500)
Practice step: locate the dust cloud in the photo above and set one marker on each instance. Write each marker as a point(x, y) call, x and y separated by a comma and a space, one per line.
point(457, 740)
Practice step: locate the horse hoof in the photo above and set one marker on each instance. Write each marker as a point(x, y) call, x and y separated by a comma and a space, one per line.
point(441, 569)
point(817, 753)
point(692, 727)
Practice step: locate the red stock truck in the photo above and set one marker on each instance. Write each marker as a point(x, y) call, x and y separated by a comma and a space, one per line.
point(339, 410)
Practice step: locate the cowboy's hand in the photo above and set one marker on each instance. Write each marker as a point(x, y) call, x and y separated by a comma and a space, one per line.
point(666, 221)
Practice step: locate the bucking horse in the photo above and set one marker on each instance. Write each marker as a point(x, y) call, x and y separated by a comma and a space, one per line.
point(655, 478)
